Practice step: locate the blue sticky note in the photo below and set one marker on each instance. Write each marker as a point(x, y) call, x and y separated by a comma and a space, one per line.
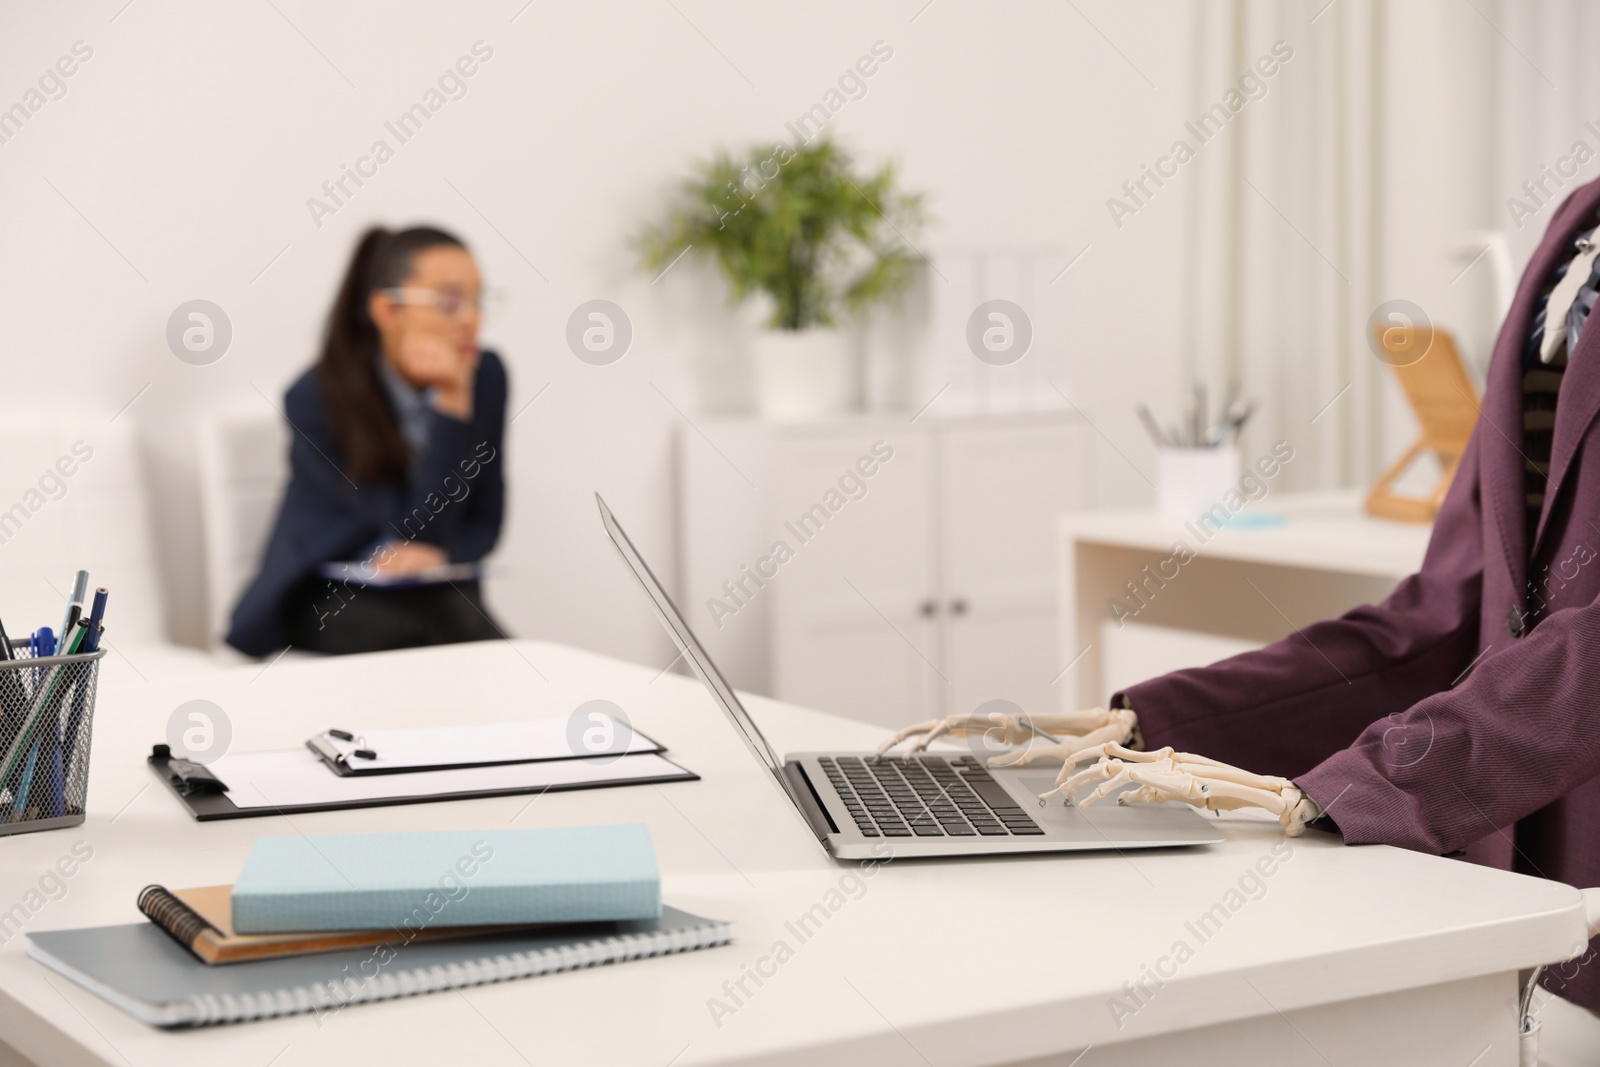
point(1263, 520)
point(450, 878)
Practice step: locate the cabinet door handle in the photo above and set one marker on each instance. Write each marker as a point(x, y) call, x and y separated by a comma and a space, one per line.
point(958, 606)
point(928, 608)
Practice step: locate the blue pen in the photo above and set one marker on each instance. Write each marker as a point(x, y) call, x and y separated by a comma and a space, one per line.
point(41, 643)
point(27, 782)
point(50, 783)
point(55, 804)
point(45, 774)
point(97, 614)
point(46, 756)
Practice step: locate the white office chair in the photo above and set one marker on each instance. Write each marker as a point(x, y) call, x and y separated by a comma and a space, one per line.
point(244, 466)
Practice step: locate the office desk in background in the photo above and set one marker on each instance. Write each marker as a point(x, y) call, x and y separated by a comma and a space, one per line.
point(1247, 586)
point(1349, 955)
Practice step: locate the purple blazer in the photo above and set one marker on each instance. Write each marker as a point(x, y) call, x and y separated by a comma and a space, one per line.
point(1463, 712)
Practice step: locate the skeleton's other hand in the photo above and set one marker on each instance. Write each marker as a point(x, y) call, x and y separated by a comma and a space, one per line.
point(1056, 736)
point(996, 728)
point(1167, 775)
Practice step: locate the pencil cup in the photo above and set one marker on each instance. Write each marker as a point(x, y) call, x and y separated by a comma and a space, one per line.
point(1190, 481)
point(46, 715)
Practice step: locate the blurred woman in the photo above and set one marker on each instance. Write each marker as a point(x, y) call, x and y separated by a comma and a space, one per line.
point(397, 483)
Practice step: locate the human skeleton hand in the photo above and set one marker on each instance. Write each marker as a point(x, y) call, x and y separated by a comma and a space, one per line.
point(1100, 734)
point(1167, 775)
point(1058, 736)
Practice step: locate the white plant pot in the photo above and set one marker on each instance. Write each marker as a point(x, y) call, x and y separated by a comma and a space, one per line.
point(803, 375)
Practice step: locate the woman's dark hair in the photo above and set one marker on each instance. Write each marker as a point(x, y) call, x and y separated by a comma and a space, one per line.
point(358, 407)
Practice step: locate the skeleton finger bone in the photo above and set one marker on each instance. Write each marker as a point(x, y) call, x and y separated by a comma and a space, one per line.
point(1115, 774)
point(1196, 780)
point(997, 729)
point(1069, 751)
point(1072, 730)
point(954, 726)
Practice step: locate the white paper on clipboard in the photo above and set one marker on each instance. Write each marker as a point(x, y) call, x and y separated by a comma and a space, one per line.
point(296, 778)
point(521, 741)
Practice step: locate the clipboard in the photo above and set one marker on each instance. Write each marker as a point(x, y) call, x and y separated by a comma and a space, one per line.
point(408, 751)
point(207, 795)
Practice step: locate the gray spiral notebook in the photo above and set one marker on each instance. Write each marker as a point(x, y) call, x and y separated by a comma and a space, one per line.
point(150, 976)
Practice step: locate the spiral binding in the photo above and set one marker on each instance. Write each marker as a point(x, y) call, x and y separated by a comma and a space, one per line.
point(181, 922)
point(321, 997)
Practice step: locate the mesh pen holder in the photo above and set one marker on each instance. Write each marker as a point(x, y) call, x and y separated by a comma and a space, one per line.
point(46, 715)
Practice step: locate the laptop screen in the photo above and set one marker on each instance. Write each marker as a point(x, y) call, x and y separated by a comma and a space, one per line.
point(690, 646)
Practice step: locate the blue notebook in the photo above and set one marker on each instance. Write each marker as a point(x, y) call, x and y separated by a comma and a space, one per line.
point(451, 878)
point(152, 977)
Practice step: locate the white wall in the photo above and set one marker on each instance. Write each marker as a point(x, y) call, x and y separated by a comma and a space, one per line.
point(1551, 101)
point(179, 163)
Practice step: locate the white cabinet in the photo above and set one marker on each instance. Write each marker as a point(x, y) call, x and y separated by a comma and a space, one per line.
point(1004, 489)
point(852, 630)
point(876, 568)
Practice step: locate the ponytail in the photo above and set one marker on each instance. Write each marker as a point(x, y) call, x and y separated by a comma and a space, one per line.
point(359, 410)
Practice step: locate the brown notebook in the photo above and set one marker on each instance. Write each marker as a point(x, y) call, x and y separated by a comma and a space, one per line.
point(201, 920)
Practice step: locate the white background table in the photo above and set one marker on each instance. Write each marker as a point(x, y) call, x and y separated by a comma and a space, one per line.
point(1350, 955)
point(1247, 586)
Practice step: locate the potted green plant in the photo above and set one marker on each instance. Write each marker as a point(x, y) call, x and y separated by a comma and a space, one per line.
point(821, 243)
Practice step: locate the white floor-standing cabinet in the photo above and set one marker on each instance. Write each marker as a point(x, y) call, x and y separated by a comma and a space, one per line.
point(878, 568)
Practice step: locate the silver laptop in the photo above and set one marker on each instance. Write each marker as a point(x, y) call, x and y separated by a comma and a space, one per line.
point(930, 804)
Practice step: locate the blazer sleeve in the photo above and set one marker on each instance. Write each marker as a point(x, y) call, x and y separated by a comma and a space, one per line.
point(1480, 753)
point(1519, 733)
point(1285, 708)
point(457, 500)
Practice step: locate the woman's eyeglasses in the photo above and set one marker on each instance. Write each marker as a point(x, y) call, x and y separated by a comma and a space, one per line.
point(451, 303)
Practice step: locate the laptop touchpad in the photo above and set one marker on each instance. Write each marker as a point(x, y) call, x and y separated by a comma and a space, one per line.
point(1105, 819)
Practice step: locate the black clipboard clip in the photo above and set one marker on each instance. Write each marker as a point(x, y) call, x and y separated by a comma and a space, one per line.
point(340, 761)
point(187, 777)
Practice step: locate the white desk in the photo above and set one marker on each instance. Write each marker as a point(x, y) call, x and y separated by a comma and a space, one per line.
point(1352, 955)
point(1247, 586)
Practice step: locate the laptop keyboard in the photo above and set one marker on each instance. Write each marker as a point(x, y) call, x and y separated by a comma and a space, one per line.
point(925, 796)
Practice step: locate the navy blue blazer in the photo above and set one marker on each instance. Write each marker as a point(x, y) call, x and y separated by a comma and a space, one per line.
point(455, 499)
